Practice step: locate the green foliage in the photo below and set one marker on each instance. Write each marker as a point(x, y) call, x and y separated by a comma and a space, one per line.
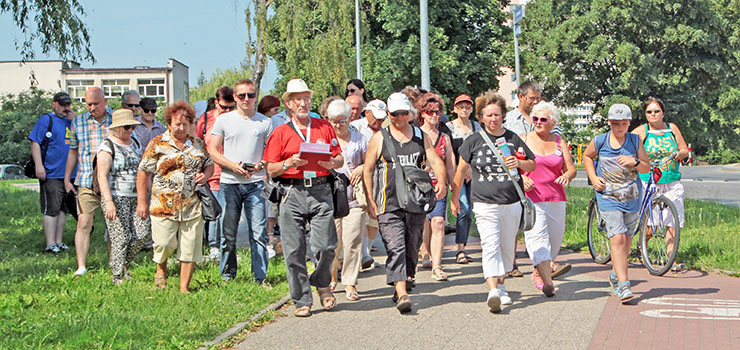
point(43, 306)
point(55, 23)
point(207, 88)
point(18, 115)
point(603, 51)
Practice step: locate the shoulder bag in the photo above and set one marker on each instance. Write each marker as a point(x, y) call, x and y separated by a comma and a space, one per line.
point(210, 207)
point(413, 185)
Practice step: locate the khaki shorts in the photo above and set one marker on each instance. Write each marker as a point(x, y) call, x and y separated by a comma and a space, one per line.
point(185, 236)
point(87, 201)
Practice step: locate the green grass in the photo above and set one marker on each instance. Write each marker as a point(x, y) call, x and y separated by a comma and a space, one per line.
point(43, 306)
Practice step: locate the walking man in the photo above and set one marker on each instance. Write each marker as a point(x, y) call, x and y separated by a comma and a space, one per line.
point(150, 127)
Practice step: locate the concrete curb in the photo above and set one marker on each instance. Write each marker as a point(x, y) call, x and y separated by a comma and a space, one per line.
point(241, 325)
point(731, 168)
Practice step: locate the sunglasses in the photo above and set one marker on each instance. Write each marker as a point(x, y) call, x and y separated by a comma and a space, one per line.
point(400, 113)
point(147, 110)
point(655, 111)
point(128, 127)
point(437, 112)
point(351, 91)
point(226, 108)
point(132, 105)
point(542, 120)
point(243, 96)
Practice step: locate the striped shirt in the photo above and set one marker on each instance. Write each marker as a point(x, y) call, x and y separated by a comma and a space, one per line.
point(86, 135)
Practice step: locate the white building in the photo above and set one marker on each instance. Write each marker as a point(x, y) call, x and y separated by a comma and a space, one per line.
point(167, 83)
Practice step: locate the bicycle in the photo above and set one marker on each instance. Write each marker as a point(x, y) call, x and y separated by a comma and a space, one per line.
point(651, 227)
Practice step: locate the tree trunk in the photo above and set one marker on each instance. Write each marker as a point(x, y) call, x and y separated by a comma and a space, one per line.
point(260, 56)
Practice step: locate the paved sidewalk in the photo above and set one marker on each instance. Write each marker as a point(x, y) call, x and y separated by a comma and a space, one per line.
point(451, 314)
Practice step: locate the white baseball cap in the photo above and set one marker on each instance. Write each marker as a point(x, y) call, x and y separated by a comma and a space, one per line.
point(619, 111)
point(378, 108)
point(398, 102)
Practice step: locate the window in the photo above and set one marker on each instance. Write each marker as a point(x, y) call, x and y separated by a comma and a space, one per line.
point(77, 88)
point(115, 87)
point(151, 87)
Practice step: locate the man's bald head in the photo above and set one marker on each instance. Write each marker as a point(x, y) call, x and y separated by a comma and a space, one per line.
point(356, 103)
point(96, 102)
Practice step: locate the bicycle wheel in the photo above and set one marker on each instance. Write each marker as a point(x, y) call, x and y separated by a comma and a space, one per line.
point(598, 241)
point(659, 249)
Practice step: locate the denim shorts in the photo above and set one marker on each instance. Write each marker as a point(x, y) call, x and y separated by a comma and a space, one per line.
point(619, 222)
point(440, 208)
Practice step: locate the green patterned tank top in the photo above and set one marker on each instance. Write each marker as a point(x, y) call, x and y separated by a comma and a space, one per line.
point(659, 144)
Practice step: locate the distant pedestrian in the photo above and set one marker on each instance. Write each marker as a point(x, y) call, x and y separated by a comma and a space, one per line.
point(357, 88)
point(269, 105)
point(150, 126)
point(357, 107)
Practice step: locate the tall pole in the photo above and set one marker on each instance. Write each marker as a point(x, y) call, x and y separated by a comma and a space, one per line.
point(516, 57)
point(357, 38)
point(424, 30)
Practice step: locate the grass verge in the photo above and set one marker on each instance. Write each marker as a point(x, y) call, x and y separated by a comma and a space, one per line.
point(43, 306)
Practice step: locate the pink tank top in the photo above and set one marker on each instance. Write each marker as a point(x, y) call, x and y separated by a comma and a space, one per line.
point(549, 168)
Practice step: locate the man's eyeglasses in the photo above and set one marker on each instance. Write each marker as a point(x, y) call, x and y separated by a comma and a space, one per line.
point(437, 112)
point(400, 113)
point(128, 127)
point(244, 95)
point(227, 108)
point(132, 105)
point(542, 120)
point(147, 110)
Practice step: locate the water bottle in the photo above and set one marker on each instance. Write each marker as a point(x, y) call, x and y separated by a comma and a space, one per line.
point(501, 144)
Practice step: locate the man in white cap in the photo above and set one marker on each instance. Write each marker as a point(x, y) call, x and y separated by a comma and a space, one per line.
point(307, 197)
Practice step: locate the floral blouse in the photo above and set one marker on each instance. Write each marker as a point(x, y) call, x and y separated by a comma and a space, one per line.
point(173, 186)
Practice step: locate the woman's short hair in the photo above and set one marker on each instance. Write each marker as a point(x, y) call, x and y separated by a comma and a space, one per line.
point(325, 105)
point(176, 108)
point(489, 97)
point(338, 108)
point(549, 108)
point(267, 103)
point(652, 99)
point(429, 101)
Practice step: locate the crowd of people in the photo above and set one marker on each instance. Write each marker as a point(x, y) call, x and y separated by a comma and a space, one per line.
point(144, 176)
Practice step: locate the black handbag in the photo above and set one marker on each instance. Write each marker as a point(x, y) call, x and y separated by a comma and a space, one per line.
point(339, 184)
point(29, 169)
point(413, 185)
point(272, 191)
point(209, 203)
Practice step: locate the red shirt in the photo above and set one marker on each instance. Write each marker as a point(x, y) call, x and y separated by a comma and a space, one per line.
point(215, 179)
point(284, 142)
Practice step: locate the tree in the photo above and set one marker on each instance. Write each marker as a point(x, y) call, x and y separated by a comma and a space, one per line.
point(55, 23)
point(18, 115)
point(256, 48)
point(219, 78)
point(603, 51)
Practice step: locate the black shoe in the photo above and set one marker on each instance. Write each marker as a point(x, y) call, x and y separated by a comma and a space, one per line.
point(410, 283)
point(52, 248)
point(450, 229)
point(394, 297)
point(368, 263)
point(404, 304)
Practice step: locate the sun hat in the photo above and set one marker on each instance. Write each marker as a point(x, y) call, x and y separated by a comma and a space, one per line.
point(398, 102)
point(619, 111)
point(295, 86)
point(378, 108)
point(123, 117)
point(462, 98)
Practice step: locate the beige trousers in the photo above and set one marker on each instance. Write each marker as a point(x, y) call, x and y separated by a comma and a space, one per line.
point(349, 242)
point(185, 236)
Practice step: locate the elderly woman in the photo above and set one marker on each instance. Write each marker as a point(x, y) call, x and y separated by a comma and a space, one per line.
point(545, 187)
point(179, 162)
point(349, 228)
point(117, 162)
point(496, 202)
point(431, 107)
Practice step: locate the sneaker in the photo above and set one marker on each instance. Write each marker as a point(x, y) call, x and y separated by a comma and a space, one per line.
point(623, 291)
point(613, 281)
point(368, 262)
point(494, 301)
point(52, 248)
point(81, 271)
point(270, 252)
point(62, 246)
point(214, 254)
point(505, 298)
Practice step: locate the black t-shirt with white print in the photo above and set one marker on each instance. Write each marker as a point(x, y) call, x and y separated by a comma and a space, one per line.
point(490, 182)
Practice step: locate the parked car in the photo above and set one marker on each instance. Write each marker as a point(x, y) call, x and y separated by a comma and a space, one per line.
point(11, 171)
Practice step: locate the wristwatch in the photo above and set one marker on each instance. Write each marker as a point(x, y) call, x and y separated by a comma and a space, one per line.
point(637, 161)
point(285, 166)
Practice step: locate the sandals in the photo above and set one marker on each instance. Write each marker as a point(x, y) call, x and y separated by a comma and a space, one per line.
point(352, 295)
point(515, 273)
point(160, 281)
point(538, 282)
point(303, 311)
point(328, 301)
point(461, 258)
point(332, 286)
point(438, 274)
point(403, 305)
point(426, 263)
point(560, 269)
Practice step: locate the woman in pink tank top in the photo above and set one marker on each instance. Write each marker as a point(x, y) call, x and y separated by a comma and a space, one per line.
point(546, 187)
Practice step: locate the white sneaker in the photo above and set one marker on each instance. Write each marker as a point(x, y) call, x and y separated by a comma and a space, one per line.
point(494, 301)
point(81, 271)
point(214, 254)
point(270, 252)
point(505, 298)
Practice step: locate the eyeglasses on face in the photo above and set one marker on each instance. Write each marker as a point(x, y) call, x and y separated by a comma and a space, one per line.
point(351, 90)
point(542, 120)
point(227, 108)
point(147, 110)
point(132, 105)
point(433, 112)
point(653, 111)
point(339, 122)
point(128, 127)
point(244, 95)
point(400, 113)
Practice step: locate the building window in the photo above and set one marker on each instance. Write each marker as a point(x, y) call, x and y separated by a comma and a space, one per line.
point(77, 88)
point(151, 87)
point(115, 87)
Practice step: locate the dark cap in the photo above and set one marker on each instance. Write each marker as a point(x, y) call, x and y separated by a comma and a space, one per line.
point(62, 98)
point(148, 103)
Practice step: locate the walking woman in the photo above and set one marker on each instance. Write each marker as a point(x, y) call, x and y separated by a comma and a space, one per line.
point(400, 230)
point(496, 202)
point(460, 129)
point(545, 187)
point(662, 139)
point(621, 156)
point(117, 163)
point(179, 162)
point(431, 107)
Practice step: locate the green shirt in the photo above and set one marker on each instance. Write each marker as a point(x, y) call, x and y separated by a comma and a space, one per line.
point(660, 144)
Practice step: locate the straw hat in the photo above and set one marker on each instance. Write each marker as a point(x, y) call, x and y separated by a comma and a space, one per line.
point(123, 117)
point(295, 86)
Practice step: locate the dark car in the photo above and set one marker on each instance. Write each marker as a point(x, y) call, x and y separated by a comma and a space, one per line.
point(11, 171)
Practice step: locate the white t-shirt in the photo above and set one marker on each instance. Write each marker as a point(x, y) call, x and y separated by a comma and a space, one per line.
point(244, 141)
point(363, 127)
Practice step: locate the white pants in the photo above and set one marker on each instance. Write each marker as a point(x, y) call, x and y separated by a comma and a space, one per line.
point(544, 239)
point(497, 225)
point(675, 192)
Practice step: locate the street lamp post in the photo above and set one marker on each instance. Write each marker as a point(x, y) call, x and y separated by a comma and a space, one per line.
point(357, 38)
point(424, 30)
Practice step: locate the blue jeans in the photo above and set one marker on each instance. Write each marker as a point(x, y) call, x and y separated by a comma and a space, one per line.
point(247, 197)
point(464, 218)
point(214, 227)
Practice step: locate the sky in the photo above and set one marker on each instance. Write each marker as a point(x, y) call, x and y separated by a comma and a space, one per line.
point(203, 35)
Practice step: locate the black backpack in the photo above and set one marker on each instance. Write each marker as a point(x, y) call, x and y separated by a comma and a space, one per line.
point(413, 185)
